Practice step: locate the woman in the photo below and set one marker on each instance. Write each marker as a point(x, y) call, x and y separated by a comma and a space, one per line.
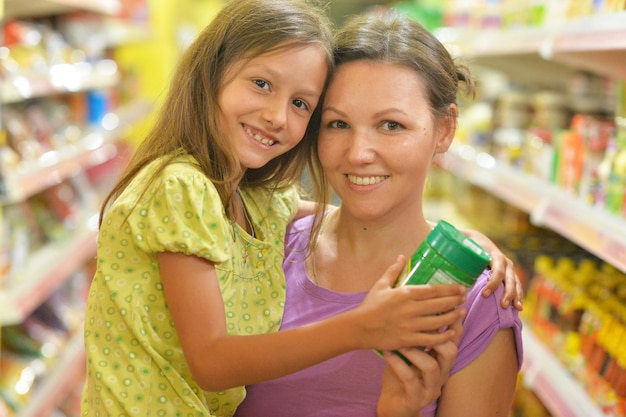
point(388, 110)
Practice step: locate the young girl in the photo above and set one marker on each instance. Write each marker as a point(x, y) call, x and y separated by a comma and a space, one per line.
point(189, 286)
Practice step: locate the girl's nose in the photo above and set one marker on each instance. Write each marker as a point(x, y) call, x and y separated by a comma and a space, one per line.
point(275, 114)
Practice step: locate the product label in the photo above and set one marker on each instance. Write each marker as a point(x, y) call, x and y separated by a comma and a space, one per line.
point(442, 277)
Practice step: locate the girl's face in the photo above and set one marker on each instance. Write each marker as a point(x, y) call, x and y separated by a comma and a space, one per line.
point(266, 102)
point(378, 137)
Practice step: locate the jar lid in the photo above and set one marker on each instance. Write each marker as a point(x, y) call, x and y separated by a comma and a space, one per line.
point(458, 249)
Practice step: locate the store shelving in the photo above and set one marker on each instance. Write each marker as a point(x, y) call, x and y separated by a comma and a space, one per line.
point(592, 228)
point(62, 380)
point(46, 270)
point(550, 53)
point(552, 383)
point(96, 149)
point(59, 78)
point(96, 146)
point(546, 57)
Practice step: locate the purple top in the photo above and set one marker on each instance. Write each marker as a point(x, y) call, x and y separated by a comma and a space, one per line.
point(349, 385)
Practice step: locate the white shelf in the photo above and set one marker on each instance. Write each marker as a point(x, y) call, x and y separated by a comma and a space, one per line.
point(61, 381)
point(595, 43)
point(60, 78)
point(591, 228)
point(552, 383)
point(46, 270)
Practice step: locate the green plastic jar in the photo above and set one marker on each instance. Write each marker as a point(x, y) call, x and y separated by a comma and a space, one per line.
point(447, 256)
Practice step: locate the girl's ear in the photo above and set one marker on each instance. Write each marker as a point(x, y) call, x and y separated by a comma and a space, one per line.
point(446, 129)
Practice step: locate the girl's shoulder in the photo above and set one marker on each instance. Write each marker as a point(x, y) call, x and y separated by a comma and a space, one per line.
point(266, 201)
point(181, 169)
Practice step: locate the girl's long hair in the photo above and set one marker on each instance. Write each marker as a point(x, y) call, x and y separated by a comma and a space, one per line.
point(187, 123)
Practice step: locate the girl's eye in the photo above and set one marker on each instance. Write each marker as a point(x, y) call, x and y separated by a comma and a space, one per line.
point(301, 104)
point(262, 84)
point(338, 124)
point(391, 125)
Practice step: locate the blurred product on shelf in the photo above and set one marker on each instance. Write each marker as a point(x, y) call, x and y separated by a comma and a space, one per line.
point(577, 309)
point(63, 122)
point(539, 133)
point(31, 348)
point(514, 13)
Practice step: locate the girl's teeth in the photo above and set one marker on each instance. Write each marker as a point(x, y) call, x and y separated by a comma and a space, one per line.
point(260, 139)
point(366, 180)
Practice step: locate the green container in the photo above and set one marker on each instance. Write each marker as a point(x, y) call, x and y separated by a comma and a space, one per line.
point(447, 256)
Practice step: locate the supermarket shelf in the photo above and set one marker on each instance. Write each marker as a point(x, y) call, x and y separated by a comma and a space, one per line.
point(46, 270)
point(595, 43)
point(561, 393)
point(33, 8)
point(29, 179)
point(62, 380)
point(96, 147)
point(59, 78)
point(592, 228)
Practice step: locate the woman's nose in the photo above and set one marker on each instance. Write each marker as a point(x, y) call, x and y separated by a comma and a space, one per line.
point(361, 149)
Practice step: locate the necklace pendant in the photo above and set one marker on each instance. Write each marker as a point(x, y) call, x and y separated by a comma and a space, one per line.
point(244, 255)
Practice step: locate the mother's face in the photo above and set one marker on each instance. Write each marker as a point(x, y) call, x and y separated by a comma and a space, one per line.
point(378, 136)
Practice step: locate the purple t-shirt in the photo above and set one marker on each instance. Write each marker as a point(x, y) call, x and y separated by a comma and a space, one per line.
point(350, 384)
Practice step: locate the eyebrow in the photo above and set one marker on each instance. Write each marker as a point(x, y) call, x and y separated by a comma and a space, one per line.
point(377, 114)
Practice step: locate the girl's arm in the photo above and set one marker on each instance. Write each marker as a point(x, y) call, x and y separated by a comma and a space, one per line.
point(389, 318)
point(305, 208)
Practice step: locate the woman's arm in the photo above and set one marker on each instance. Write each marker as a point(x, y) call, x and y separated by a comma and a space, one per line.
point(486, 387)
point(389, 318)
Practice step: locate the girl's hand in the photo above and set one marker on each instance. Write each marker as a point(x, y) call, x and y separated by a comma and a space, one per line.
point(408, 389)
point(502, 269)
point(414, 315)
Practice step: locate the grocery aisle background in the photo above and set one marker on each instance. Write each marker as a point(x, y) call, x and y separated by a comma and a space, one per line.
point(539, 165)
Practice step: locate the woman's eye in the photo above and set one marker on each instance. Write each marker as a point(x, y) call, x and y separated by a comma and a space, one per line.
point(301, 104)
point(338, 124)
point(391, 125)
point(262, 84)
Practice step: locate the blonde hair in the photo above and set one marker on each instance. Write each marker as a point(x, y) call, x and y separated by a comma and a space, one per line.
point(188, 120)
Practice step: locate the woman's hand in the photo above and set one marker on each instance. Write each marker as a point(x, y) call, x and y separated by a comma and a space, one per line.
point(502, 269)
point(408, 389)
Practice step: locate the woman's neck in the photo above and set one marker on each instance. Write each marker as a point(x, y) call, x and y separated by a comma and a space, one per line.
point(352, 254)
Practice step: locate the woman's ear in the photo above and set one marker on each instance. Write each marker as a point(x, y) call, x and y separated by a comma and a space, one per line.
point(446, 129)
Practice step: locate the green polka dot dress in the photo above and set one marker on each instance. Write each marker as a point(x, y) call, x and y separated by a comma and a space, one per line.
point(135, 364)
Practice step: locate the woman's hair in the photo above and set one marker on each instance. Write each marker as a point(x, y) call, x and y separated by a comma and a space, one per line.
point(187, 123)
point(393, 39)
